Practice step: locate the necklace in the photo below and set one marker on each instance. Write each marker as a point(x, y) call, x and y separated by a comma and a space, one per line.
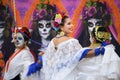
point(61, 34)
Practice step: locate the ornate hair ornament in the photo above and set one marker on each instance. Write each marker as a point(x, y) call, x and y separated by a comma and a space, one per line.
point(101, 35)
point(58, 19)
point(94, 9)
point(22, 30)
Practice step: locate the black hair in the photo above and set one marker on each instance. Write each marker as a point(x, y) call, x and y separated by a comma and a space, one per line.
point(62, 23)
point(63, 20)
point(26, 33)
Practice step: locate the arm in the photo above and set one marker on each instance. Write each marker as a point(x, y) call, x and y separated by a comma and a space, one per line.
point(36, 66)
point(95, 52)
point(92, 52)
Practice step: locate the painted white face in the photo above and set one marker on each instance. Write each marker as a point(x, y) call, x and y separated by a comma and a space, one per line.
point(2, 28)
point(44, 28)
point(18, 40)
point(92, 23)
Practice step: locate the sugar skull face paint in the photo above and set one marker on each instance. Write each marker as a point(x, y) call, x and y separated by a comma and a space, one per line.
point(44, 28)
point(93, 22)
point(2, 28)
point(18, 40)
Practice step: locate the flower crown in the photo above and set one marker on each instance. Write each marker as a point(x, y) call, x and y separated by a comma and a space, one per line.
point(94, 9)
point(44, 11)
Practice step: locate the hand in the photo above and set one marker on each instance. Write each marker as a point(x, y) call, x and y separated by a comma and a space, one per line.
point(40, 59)
point(100, 50)
point(38, 66)
point(32, 69)
point(84, 54)
point(97, 51)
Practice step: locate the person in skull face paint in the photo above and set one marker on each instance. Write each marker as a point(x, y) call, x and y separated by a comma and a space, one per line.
point(6, 47)
point(6, 21)
point(22, 57)
point(42, 31)
point(96, 13)
point(99, 66)
point(2, 28)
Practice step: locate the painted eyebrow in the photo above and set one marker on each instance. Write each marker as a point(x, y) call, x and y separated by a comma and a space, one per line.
point(69, 23)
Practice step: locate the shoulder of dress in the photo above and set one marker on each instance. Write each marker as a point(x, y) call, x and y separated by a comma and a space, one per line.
point(73, 39)
point(110, 46)
point(26, 50)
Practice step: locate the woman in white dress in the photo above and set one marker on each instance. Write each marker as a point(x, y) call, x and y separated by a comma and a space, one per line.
point(20, 60)
point(57, 60)
point(63, 58)
point(101, 67)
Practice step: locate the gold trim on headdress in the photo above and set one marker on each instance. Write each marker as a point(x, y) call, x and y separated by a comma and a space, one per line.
point(101, 35)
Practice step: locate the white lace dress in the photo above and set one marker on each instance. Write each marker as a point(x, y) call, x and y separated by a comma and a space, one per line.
point(58, 64)
point(106, 67)
point(64, 64)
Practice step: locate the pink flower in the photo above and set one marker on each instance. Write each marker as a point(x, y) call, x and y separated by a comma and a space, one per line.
point(58, 18)
point(91, 11)
point(42, 13)
point(84, 13)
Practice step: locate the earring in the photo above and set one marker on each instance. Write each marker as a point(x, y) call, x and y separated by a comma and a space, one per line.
point(62, 33)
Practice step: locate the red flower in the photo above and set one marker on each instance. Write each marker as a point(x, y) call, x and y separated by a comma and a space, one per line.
point(42, 13)
point(56, 24)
